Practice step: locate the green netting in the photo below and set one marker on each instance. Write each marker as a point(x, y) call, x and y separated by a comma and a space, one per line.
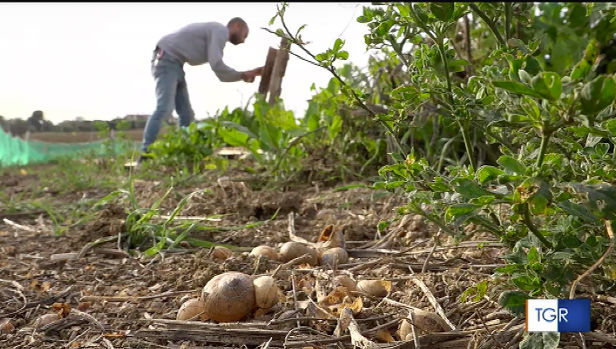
point(18, 152)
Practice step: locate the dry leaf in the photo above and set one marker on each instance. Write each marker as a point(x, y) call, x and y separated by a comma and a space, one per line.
point(313, 311)
point(336, 296)
point(114, 335)
point(84, 306)
point(45, 286)
point(384, 336)
point(387, 284)
point(339, 299)
point(355, 306)
point(6, 326)
point(63, 309)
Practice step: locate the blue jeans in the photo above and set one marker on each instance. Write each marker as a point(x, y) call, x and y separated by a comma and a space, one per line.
point(171, 93)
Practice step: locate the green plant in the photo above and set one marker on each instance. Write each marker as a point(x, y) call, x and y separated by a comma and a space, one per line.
point(546, 189)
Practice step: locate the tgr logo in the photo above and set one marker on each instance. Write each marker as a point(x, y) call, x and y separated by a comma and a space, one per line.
point(554, 315)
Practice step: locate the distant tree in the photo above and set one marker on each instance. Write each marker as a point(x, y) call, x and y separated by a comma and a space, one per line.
point(35, 121)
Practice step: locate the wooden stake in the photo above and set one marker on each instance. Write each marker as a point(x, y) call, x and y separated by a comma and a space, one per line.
point(267, 72)
point(280, 66)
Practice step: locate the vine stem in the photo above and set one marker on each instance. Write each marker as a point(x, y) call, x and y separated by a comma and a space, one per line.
point(489, 22)
point(508, 14)
point(529, 223)
point(610, 233)
point(545, 139)
point(441, 49)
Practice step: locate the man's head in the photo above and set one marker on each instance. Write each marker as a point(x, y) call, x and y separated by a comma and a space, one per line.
point(238, 31)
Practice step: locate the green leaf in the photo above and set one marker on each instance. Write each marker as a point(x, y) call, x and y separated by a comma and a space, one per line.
point(610, 125)
point(488, 173)
point(458, 63)
point(403, 9)
point(597, 94)
point(578, 211)
point(271, 22)
point(239, 127)
point(321, 57)
point(342, 55)
point(531, 107)
point(533, 255)
point(457, 210)
point(516, 87)
point(540, 200)
point(511, 165)
point(532, 66)
point(443, 11)
point(548, 85)
point(338, 44)
point(470, 189)
point(540, 340)
point(581, 69)
point(571, 241)
point(524, 76)
point(513, 301)
point(592, 51)
point(525, 282)
point(599, 198)
point(419, 11)
point(363, 19)
point(299, 30)
point(233, 137)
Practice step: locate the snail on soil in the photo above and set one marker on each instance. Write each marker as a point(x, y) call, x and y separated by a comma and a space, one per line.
point(266, 251)
point(292, 249)
point(424, 320)
point(229, 297)
point(266, 291)
point(190, 309)
point(221, 253)
point(328, 257)
point(375, 288)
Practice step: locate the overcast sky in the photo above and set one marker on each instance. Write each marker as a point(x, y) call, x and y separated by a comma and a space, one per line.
point(93, 59)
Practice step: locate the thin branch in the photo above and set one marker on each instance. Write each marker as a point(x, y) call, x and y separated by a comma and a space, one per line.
point(332, 70)
point(610, 233)
point(489, 22)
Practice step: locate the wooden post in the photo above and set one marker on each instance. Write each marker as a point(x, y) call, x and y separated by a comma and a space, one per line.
point(267, 72)
point(278, 71)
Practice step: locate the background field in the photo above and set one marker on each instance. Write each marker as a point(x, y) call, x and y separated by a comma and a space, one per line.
point(81, 137)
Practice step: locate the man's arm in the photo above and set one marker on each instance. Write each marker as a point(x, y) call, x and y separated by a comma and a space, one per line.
point(217, 43)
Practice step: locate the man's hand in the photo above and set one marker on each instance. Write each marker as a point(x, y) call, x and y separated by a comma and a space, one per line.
point(258, 71)
point(249, 76)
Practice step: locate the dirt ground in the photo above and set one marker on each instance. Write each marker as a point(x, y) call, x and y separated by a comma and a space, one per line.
point(119, 300)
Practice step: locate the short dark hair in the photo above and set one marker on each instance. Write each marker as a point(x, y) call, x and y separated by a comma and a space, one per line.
point(238, 21)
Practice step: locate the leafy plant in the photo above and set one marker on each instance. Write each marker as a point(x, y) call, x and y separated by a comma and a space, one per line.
point(538, 162)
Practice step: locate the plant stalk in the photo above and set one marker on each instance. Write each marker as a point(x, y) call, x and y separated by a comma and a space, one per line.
point(489, 22)
point(508, 14)
point(529, 223)
point(545, 139)
point(465, 137)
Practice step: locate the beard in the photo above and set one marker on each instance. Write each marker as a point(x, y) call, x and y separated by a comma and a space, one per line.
point(234, 39)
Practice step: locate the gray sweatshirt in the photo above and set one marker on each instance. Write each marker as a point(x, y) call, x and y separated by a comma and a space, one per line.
point(200, 43)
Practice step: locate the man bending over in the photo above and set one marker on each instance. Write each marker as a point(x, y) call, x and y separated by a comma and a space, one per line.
point(195, 44)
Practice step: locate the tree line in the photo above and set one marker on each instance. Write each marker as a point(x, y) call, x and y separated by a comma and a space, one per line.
point(37, 123)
